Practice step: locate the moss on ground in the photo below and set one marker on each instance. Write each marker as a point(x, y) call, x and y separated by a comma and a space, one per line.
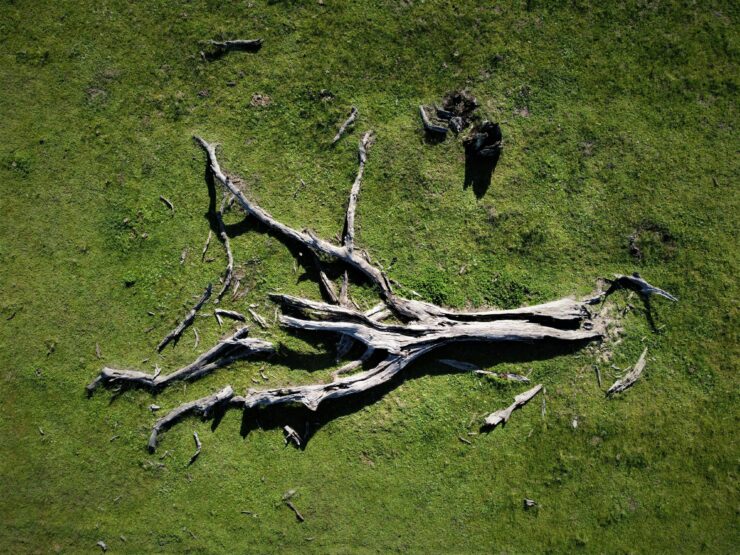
point(630, 126)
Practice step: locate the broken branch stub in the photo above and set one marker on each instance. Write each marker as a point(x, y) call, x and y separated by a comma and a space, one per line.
point(175, 334)
point(629, 379)
point(502, 416)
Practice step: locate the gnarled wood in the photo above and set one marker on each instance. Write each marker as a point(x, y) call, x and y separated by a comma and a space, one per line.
point(636, 283)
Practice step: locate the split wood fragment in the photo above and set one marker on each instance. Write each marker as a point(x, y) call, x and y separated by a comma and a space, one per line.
point(428, 125)
point(167, 202)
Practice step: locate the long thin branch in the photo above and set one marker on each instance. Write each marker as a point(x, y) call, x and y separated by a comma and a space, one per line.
point(229, 272)
point(349, 226)
point(175, 334)
point(202, 407)
point(349, 121)
point(235, 347)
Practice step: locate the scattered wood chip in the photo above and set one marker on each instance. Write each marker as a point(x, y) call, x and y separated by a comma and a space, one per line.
point(41, 431)
point(97, 351)
point(102, 545)
point(154, 408)
point(529, 503)
point(184, 255)
point(629, 379)
point(465, 441)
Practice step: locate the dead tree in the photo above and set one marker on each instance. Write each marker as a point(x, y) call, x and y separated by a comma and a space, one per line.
point(418, 329)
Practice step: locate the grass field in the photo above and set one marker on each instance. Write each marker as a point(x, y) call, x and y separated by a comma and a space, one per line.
point(630, 126)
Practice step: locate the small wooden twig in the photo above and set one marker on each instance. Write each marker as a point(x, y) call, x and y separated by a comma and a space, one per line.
point(97, 351)
point(465, 441)
point(167, 202)
point(502, 416)
point(184, 255)
point(598, 375)
point(197, 338)
point(349, 121)
point(175, 334)
point(198, 447)
point(205, 247)
point(629, 379)
point(298, 515)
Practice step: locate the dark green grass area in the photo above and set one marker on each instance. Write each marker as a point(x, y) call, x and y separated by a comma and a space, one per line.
point(631, 127)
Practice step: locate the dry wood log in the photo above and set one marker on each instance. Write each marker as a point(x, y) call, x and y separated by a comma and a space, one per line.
point(428, 125)
point(229, 272)
point(502, 416)
point(639, 285)
point(175, 334)
point(629, 379)
point(349, 121)
point(201, 407)
point(233, 314)
point(235, 347)
point(198, 447)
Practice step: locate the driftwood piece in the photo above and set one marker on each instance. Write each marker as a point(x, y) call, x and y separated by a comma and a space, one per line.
point(201, 407)
point(233, 314)
point(198, 447)
point(235, 347)
point(349, 121)
point(349, 225)
point(429, 126)
point(502, 416)
point(639, 285)
point(629, 379)
point(175, 334)
point(229, 272)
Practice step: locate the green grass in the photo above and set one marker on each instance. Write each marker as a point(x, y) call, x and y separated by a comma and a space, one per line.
point(633, 123)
